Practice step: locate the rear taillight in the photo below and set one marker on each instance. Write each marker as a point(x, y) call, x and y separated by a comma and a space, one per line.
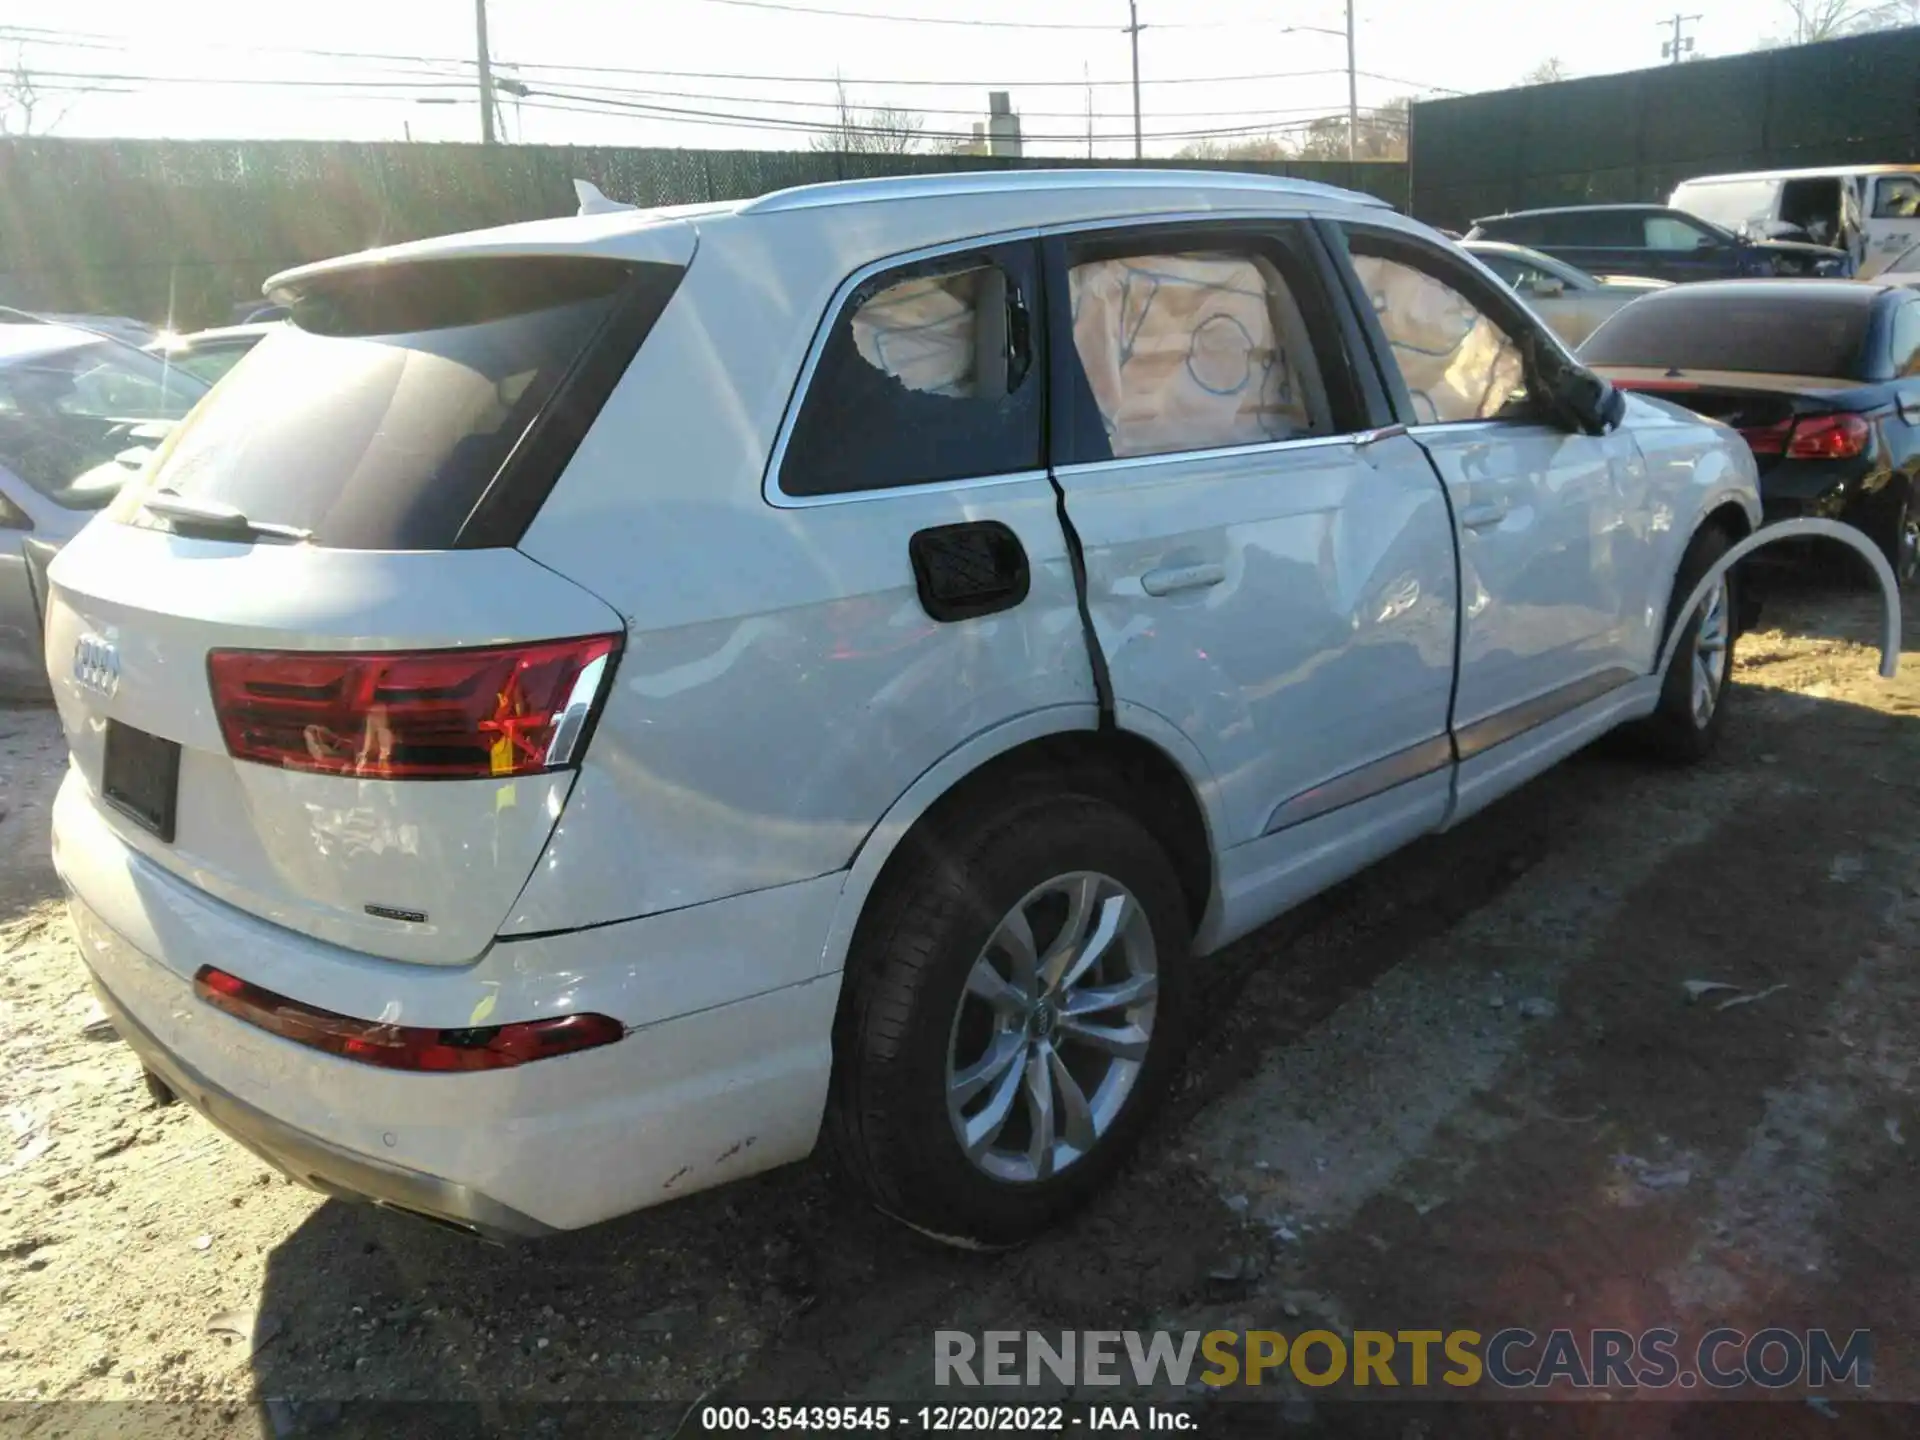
point(416, 715)
point(404, 1047)
point(1829, 437)
point(1768, 439)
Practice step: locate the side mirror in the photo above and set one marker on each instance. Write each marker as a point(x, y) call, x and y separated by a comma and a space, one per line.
point(12, 517)
point(1581, 400)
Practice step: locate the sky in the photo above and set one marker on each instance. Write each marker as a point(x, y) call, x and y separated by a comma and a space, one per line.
point(607, 72)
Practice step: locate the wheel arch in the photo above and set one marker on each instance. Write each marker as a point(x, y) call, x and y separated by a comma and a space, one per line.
point(1146, 773)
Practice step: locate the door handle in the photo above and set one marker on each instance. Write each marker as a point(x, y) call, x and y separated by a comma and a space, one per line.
point(1487, 514)
point(1182, 577)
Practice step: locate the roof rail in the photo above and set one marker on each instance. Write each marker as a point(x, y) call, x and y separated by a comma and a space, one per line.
point(988, 182)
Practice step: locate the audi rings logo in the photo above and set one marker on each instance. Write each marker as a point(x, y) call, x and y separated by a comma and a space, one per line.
point(96, 664)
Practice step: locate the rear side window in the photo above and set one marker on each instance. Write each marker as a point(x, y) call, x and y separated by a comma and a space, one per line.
point(926, 375)
point(1905, 345)
point(1610, 228)
point(1707, 329)
point(382, 415)
point(1896, 197)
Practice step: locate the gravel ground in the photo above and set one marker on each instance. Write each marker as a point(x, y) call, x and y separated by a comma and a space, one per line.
point(1466, 1089)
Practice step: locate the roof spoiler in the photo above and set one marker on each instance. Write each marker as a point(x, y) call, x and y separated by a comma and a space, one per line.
point(592, 202)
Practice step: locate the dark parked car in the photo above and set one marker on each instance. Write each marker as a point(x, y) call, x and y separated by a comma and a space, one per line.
point(1656, 242)
point(1822, 378)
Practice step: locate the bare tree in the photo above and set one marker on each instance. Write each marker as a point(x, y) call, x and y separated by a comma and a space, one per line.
point(887, 130)
point(1383, 135)
point(1815, 20)
point(1264, 147)
point(23, 101)
point(1549, 71)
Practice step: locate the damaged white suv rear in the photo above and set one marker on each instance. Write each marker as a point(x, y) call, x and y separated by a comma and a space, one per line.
point(589, 706)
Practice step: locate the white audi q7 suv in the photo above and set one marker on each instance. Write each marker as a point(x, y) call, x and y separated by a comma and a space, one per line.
point(587, 707)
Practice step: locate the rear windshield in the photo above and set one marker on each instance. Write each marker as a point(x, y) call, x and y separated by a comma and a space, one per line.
point(1699, 329)
point(378, 418)
point(79, 414)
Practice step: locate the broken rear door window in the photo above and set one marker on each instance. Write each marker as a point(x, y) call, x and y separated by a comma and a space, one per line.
point(928, 374)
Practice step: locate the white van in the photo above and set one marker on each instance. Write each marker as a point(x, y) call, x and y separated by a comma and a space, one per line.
point(1871, 211)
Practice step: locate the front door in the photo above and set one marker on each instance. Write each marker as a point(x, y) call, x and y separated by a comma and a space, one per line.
point(1555, 560)
point(1263, 574)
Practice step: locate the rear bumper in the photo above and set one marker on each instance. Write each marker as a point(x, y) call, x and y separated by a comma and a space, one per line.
point(313, 1162)
point(724, 1086)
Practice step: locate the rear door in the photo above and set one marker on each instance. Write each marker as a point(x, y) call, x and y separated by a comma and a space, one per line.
point(1556, 553)
point(1265, 571)
point(1893, 221)
point(301, 667)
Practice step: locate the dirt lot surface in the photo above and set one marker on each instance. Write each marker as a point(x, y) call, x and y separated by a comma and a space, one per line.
point(1467, 1089)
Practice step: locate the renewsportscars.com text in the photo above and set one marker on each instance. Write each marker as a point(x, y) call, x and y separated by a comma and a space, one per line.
point(1510, 1359)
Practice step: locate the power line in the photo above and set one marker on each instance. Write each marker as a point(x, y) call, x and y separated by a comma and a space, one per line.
point(912, 19)
point(609, 106)
point(970, 110)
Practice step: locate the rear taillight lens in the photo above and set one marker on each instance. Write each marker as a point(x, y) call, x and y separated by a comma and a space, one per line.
point(1768, 439)
point(1829, 437)
point(404, 1047)
point(416, 715)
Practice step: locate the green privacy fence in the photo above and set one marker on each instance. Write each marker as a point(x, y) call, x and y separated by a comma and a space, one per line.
point(1634, 137)
point(187, 229)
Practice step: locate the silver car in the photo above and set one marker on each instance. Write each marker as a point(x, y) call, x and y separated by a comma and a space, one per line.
point(79, 413)
point(1570, 300)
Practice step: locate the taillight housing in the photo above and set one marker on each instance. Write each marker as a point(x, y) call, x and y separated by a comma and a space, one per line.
point(426, 1049)
point(1829, 437)
point(1768, 439)
point(412, 715)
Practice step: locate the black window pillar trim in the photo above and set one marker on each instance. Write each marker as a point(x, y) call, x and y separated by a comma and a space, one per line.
point(1058, 417)
point(507, 507)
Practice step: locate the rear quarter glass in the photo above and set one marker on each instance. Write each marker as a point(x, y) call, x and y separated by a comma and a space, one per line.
point(421, 406)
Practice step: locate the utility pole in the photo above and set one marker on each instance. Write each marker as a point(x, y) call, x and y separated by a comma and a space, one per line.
point(1134, 29)
point(1353, 96)
point(486, 72)
point(1087, 76)
point(1681, 45)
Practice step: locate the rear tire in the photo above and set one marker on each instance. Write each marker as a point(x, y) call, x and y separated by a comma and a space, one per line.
point(1692, 711)
point(1898, 537)
point(1020, 980)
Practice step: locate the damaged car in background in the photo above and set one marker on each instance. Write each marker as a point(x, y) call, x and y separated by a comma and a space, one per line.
point(1823, 381)
point(1656, 242)
point(1571, 301)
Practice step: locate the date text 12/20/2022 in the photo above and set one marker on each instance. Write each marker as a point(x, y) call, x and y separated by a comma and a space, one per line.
point(948, 1419)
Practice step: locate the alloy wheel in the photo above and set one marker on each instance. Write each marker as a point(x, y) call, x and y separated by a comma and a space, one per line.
point(1710, 649)
point(1052, 1028)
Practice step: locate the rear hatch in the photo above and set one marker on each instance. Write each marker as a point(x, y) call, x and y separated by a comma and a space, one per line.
point(300, 664)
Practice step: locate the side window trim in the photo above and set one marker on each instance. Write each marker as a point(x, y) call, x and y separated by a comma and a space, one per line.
point(1069, 410)
point(770, 488)
point(1494, 300)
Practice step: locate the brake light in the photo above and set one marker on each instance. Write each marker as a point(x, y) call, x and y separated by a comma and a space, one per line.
point(1829, 437)
point(418, 715)
point(404, 1047)
point(1769, 439)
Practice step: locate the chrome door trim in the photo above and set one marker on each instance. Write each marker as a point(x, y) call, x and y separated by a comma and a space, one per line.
point(1364, 783)
point(1504, 725)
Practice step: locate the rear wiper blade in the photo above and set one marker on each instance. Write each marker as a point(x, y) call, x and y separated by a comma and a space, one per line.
point(212, 518)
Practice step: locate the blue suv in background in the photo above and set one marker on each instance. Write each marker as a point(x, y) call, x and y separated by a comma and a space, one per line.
point(1657, 242)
